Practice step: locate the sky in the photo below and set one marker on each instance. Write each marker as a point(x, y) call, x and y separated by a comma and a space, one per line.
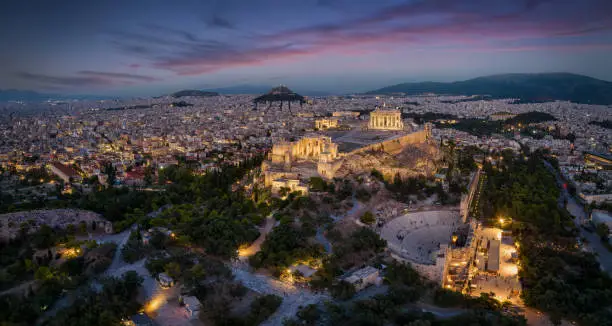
point(152, 47)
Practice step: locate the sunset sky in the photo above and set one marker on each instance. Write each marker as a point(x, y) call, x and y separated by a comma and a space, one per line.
point(148, 47)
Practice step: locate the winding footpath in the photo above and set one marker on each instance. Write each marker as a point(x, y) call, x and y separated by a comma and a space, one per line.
point(255, 247)
point(320, 236)
point(293, 297)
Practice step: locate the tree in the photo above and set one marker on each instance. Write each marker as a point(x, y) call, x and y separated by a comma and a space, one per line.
point(309, 314)
point(158, 240)
point(148, 175)
point(377, 174)
point(82, 227)
point(284, 191)
point(110, 172)
point(194, 275)
point(368, 218)
point(262, 308)
point(44, 273)
point(342, 290)
point(603, 231)
point(173, 269)
point(318, 184)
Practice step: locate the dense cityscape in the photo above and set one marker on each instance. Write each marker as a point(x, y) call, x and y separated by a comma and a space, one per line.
point(311, 163)
point(100, 188)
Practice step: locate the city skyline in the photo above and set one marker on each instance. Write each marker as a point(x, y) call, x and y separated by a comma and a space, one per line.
point(152, 47)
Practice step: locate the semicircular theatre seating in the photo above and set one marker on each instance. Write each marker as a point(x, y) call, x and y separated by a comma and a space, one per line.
point(417, 236)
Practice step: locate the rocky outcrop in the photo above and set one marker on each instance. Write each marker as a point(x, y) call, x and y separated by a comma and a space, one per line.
point(411, 161)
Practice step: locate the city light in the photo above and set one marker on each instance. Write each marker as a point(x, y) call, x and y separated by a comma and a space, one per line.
point(155, 303)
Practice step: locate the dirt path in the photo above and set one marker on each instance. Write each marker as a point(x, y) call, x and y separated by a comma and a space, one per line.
point(255, 247)
point(19, 289)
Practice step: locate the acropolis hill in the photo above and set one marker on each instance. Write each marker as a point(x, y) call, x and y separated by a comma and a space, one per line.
point(384, 143)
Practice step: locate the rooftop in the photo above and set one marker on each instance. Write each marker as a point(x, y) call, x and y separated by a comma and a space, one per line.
point(67, 170)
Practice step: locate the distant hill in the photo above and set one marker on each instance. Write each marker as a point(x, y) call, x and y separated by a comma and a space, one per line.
point(20, 95)
point(260, 89)
point(194, 92)
point(241, 89)
point(527, 87)
point(32, 96)
point(280, 93)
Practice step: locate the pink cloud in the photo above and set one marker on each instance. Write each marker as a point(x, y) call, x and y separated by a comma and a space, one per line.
point(481, 25)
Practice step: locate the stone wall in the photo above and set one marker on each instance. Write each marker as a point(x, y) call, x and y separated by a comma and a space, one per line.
point(328, 169)
point(285, 157)
point(395, 145)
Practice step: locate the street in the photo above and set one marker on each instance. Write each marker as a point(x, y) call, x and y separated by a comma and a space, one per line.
point(593, 244)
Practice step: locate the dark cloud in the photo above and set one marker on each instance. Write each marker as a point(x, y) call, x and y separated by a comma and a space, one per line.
point(70, 81)
point(86, 78)
point(204, 38)
point(187, 36)
point(169, 42)
point(587, 30)
point(115, 75)
point(219, 22)
point(477, 21)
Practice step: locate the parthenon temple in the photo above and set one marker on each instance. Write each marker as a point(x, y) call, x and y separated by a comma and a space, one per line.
point(291, 164)
point(386, 120)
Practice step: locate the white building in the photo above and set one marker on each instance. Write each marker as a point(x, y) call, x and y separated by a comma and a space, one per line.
point(165, 281)
point(192, 306)
point(364, 277)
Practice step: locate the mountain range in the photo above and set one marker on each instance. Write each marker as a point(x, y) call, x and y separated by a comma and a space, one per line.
point(260, 89)
point(526, 87)
point(7, 95)
point(19, 95)
point(193, 92)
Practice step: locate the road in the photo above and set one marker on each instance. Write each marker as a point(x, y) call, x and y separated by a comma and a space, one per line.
point(594, 244)
point(593, 241)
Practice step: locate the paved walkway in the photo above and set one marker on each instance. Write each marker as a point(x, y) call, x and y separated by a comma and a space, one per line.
point(320, 237)
point(357, 205)
point(439, 312)
point(293, 297)
point(255, 247)
point(19, 289)
point(116, 269)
